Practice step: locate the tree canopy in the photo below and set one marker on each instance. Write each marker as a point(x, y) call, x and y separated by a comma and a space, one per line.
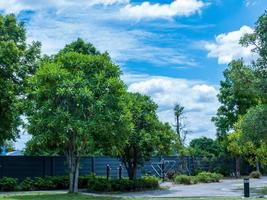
point(76, 102)
point(17, 61)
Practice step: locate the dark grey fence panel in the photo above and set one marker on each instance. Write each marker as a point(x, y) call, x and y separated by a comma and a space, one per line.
point(33, 166)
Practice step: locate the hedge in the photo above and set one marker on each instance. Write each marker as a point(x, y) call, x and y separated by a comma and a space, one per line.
point(101, 184)
point(93, 183)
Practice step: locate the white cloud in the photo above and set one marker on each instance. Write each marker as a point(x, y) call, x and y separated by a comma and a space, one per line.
point(176, 8)
point(198, 98)
point(226, 47)
point(15, 6)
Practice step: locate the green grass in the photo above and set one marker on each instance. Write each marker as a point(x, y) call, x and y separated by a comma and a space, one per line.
point(85, 197)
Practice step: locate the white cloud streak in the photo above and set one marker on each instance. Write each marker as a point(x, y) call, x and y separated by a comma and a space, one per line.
point(226, 47)
point(15, 6)
point(151, 11)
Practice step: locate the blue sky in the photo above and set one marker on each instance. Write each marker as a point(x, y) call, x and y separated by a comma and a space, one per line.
point(173, 50)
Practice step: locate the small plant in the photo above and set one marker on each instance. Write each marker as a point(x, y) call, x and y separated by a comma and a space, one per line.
point(184, 179)
point(8, 183)
point(45, 183)
point(27, 184)
point(208, 177)
point(255, 174)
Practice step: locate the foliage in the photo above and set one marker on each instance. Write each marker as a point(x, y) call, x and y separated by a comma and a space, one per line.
point(27, 184)
point(149, 136)
point(255, 174)
point(184, 179)
point(237, 94)
point(8, 183)
point(76, 103)
point(258, 40)
point(208, 177)
point(17, 61)
point(100, 184)
point(254, 124)
point(206, 147)
point(202, 177)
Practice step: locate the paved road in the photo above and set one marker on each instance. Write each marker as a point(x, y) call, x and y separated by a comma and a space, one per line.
point(231, 187)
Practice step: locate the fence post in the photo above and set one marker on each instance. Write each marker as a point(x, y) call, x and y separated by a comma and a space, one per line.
point(120, 171)
point(108, 170)
point(93, 164)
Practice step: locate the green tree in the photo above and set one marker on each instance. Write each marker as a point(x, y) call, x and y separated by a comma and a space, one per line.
point(76, 102)
point(234, 146)
point(17, 61)
point(254, 129)
point(149, 136)
point(237, 95)
point(259, 40)
point(206, 147)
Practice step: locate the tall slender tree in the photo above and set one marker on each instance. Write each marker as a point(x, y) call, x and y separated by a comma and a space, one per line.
point(178, 112)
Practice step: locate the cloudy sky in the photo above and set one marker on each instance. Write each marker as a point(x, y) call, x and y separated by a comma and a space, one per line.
point(173, 50)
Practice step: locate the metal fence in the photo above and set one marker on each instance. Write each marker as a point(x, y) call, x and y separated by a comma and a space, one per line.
point(39, 166)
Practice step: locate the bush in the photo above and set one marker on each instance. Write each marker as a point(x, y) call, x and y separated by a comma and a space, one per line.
point(100, 184)
point(208, 177)
point(45, 183)
point(8, 183)
point(255, 174)
point(27, 184)
point(184, 179)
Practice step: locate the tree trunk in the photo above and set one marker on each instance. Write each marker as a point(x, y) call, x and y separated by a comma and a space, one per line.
point(131, 169)
point(73, 163)
point(237, 166)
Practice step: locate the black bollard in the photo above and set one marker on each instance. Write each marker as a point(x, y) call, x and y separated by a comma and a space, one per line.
point(120, 171)
point(108, 171)
point(246, 187)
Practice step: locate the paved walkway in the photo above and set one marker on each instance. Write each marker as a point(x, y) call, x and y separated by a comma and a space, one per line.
point(233, 187)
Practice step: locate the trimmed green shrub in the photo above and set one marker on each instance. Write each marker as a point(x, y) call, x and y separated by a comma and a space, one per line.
point(8, 183)
point(208, 177)
point(255, 174)
point(45, 183)
point(27, 184)
point(184, 179)
point(100, 184)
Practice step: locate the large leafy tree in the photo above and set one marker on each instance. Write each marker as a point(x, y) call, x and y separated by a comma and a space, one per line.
point(17, 61)
point(237, 94)
point(76, 103)
point(149, 136)
point(259, 40)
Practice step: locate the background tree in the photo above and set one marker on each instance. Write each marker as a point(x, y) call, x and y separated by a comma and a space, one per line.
point(178, 112)
point(76, 99)
point(149, 136)
point(254, 133)
point(234, 146)
point(206, 147)
point(237, 95)
point(17, 61)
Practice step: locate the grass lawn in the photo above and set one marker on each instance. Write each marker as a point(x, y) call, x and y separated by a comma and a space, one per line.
point(84, 197)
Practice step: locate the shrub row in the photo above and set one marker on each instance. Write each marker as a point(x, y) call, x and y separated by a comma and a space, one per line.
point(40, 183)
point(100, 184)
point(93, 183)
point(202, 177)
